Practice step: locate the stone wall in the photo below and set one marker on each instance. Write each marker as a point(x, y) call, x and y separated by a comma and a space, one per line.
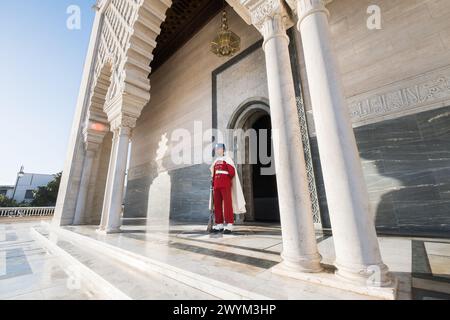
point(401, 69)
point(181, 95)
point(243, 81)
point(397, 82)
point(414, 39)
point(406, 164)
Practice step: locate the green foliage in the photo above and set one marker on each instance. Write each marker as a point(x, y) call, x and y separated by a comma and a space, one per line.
point(6, 202)
point(43, 197)
point(46, 196)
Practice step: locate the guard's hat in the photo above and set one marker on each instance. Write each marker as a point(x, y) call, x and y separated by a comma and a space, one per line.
point(220, 146)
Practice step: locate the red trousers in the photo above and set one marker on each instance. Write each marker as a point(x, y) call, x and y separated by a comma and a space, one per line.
point(223, 206)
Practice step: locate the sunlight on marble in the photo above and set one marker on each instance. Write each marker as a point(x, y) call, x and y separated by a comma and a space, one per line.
point(29, 272)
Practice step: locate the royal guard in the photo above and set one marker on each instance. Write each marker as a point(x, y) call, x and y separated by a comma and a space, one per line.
point(227, 191)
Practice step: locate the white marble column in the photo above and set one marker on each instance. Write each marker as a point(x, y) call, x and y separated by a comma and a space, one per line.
point(357, 251)
point(80, 213)
point(299, 242)
point(109, 179)
point(116, 180)
point(66, 205)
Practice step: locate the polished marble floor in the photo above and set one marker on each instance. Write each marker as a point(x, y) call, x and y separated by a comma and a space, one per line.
point(244, 259)
point(29, 272)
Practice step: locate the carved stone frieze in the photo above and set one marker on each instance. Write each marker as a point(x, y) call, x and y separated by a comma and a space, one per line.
point(128, 37)
point(399, 99)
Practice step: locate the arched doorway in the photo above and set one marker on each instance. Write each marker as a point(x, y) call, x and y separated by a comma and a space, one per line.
point(265, 194)
point(252, 149)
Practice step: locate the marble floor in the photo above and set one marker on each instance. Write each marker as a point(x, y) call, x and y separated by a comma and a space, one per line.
point(246, 257)
point(242, 260)
point(29, 272)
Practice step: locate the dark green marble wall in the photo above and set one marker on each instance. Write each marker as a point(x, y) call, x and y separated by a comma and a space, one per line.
point(406, 165)
point(188, 199)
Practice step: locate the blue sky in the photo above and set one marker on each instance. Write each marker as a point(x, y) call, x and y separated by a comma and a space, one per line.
point(41, 63)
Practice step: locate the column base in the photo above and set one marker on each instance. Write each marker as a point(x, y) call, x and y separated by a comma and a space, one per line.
point(308, 264)
point(328, 278)
point(373, 275)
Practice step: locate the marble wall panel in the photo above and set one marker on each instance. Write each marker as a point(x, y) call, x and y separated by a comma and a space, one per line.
point(406, 164)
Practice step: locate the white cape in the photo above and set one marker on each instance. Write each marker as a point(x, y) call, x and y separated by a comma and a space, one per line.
point(236, 188)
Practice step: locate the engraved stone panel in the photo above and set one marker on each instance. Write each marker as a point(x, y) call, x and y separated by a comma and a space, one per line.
point(240, 82)
point(425, 92)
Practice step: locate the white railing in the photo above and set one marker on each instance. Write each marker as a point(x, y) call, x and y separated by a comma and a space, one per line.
point(27, 212)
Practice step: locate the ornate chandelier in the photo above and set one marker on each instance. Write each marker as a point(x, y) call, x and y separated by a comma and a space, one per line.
point(227, 43)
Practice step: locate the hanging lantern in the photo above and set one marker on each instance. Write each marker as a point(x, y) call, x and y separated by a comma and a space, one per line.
point(227, 43)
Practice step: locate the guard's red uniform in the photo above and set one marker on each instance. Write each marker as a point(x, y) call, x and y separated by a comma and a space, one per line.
point(222, 182)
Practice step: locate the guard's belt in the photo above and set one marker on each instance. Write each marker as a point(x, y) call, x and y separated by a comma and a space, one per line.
point(222, 172)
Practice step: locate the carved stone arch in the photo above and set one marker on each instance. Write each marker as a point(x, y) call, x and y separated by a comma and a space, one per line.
point(243, 118)
point(129, 32)
point(130, 29)
point(245, 108)
point(99, 93)
point(96, 124)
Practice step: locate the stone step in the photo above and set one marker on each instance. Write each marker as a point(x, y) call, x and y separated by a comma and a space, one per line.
point(212, 272)
point(147, 266)
point(113, 279)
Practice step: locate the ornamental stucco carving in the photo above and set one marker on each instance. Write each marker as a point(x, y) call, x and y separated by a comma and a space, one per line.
point(264, 10)
point(123, 121)
point(312, 187)
point(129, 29)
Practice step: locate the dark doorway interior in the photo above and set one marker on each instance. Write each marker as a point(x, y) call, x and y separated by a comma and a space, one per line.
point(265, 195)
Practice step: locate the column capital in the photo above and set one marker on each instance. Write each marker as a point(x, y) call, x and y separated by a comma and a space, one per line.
point(123, 124)
point(270, 17)
point(262, 11)
point(93, 135)
point(123, 111)
point(304, 8)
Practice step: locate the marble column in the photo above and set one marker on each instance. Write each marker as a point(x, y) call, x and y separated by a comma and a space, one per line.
point(116, 180)
point(66, 202)
point(80, 213)
point(358, 256)
point(109, 179)
point(299, 242)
